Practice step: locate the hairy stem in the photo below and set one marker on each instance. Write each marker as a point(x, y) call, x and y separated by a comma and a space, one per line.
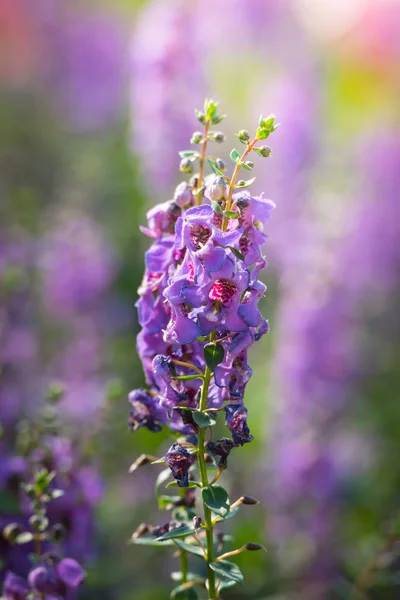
point(235, 174)
point(212, 593)
point(202, 161)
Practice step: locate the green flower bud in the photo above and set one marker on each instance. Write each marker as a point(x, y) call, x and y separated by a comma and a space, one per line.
point(250, 164)
point(196, 138)
point(220, 164)
point(265, 151)
point(58, 532)
point(243, 135)
point(219, 137)
point(38, 523)
point(186, 166)
point(12, 531)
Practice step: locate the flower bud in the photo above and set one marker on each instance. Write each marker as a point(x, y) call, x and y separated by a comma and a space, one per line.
point(186, 166)
point(218, 189)
point(265, 151)
point(249, 500)
point(183, 194)
point(252, 546)
point(58, 532)
point(219, 163)
point(243, 135)
point(197, 522)
point(250, 164)
point(12, 531)
point(38, 523)
point(196, 138)
point(241, 183)
point(219, 137)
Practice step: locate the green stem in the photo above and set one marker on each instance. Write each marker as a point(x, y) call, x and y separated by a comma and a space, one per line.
point(212, 593)
point(183, 553)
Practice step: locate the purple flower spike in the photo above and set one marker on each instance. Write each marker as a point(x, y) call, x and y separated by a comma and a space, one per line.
point(179, 460)
point(236, 422)
point(146, 411)
point(70, 572)
point(14, 587)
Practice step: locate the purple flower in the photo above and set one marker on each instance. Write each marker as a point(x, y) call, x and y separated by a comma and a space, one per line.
point(146, 411)
point(221, 448)
point(14, 587)
point(183, 195)
point(161, 219)
point(233, 376)
point(70, 572)
point(56, 579)
point(236, 422)
point(179, 461)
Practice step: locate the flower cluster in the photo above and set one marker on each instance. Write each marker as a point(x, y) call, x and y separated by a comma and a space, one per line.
point(199, 312)
point(198, 281)
point(48, 576)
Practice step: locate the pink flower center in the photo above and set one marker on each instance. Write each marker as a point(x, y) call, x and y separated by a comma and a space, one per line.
point(223, 291)
point(199, 234)
point(244, 244)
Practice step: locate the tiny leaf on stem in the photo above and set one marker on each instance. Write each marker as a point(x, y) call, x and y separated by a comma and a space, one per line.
point(217, 499)
point(235, 156)
point(203, 419)
point(244, 184)
point(213, 355)
point(227, 569)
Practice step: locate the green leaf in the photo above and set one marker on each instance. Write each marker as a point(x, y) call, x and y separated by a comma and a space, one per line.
point(245, 166)
point(217, 208)
point(227, 569)
point(213, 355)
point(268, 122)
point(165, 501)
point(24, 538)
point(235, 252)
point(214, 167)
point(217, 119)
point(231, 214)
point(191, 548)
point(184, 593)
point(187, 377)
point(192, 484)
point(162, 478)
point(217, 499)
point(210, 108)
point(188, 153)
point(179, 532)
point(235, 156)
point(262, 133)
point(245, 184)
point(226, 583)
point(198, 191)
point(203, 419)
point(202, 338)
point(146, 540)
point(199, 115)
point(231, 513)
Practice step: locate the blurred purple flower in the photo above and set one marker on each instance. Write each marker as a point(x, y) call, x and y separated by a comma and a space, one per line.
point(319, 363)
point(161, 97)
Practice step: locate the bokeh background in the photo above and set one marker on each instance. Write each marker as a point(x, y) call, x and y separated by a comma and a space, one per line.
point(96, 101)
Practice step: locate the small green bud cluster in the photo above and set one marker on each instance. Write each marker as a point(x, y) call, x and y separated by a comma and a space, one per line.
point(266, 127)
point(39, 494)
